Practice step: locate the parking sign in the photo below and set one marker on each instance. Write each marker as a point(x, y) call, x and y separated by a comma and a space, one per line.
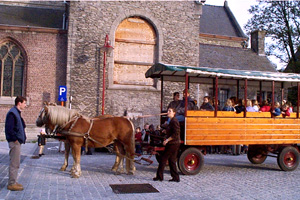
point(62, 93)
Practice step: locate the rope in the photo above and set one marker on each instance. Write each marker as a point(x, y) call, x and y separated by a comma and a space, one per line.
point(145, 116)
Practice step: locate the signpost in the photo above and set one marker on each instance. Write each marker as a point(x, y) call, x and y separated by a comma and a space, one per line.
point(62, 94)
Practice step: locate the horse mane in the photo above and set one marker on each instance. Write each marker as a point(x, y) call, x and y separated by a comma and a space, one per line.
point(60, 115)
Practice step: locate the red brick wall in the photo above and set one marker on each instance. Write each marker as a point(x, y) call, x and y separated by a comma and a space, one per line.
point(45, 69)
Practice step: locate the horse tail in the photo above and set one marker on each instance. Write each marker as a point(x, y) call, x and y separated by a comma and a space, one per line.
point(133, 134)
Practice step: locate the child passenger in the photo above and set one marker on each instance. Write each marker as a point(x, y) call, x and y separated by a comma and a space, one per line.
point(249, 107)
point(228, 106)
point(255, 105)
point(285, 111)
point(265, 106)
point(277, 110)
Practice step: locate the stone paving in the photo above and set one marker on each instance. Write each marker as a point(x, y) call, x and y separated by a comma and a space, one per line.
point(222, 177)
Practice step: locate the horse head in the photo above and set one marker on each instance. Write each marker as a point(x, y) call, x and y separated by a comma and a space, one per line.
point(55, 117)
point(43, 118)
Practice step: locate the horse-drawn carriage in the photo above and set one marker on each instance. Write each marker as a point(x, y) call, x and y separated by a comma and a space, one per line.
point(265, 134)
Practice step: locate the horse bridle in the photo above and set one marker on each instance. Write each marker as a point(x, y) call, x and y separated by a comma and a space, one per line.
point(44, 117)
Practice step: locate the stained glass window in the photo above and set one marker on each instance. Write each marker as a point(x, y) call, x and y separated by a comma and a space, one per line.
point(11, 69)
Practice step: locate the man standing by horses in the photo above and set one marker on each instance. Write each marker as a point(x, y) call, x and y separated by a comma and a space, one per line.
point(15, 136)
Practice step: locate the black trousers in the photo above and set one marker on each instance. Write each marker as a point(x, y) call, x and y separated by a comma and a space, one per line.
point(170, 154)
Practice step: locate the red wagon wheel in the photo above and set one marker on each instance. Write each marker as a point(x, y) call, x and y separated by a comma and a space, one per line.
point(288, 159)
point(257, 154)
point(191, 161)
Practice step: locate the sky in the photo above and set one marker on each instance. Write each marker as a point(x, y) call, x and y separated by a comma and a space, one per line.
point(240, 10)
point(238, 7)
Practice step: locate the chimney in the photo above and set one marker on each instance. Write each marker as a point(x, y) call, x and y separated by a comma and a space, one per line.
point(258, 42)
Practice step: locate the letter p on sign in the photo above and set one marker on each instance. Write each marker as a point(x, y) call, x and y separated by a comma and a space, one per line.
point(62, 93)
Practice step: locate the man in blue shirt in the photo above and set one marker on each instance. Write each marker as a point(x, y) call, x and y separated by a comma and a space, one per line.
point(15, 136)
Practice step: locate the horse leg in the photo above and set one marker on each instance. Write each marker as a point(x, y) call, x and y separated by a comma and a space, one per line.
point(130, 168)
point(118, 166)
point(67, 152)
point(120, 170)
point(117, 161)
point(76, 166)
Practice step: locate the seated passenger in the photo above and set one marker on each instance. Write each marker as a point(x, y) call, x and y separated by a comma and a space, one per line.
point(234, 101)
point(138, 140)
point(240, 106)
point(283, 102)
point(277, 111)
point(145, 134)
point(196, 104)
point(249, 107)
point(181, 107)
point(290, 107)
point(153, 139)
point(265, 106)
point(218, 106)
point(255, 105)
point(228, 106)
point(175, 102)
point(285, 110)
point(206, 104)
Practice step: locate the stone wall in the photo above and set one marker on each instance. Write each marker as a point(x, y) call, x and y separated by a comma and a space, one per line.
point(177, 27)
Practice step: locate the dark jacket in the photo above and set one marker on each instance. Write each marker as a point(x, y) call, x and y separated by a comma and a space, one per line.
point(239, 109)
point(173, 131)
point(181, 106)
point(15, 126)
point(207, 107)
point(173, 104)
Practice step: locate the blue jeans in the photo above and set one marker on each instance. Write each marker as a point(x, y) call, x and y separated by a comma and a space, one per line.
point(180, 118)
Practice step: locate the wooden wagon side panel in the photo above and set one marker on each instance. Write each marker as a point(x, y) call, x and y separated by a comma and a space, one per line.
point(201, 130)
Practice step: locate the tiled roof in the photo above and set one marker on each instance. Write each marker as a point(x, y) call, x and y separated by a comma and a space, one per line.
point(219, 20)
point(29, 16)
point(233, 58)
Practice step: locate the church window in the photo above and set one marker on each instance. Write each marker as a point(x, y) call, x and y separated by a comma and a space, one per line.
point(11, 70)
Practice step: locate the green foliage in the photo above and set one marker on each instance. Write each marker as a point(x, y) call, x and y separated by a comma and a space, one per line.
point(281, 20)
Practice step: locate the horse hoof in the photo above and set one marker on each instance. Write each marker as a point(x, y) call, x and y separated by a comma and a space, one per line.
point(117, 173)
point(130, 173)
point(75, 176)
point(114, 169)
point(63, 169)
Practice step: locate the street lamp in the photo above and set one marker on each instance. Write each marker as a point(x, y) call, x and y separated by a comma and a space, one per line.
point(107, 48)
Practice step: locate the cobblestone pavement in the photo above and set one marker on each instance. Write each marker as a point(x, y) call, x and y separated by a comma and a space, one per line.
point(222, 177)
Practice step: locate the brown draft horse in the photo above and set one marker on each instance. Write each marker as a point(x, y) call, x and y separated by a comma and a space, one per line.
point(101, 131)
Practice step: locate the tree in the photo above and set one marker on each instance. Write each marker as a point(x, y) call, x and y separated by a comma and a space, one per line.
point(281, 20)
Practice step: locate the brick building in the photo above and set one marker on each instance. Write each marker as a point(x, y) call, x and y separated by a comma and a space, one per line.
point(142, 33)
point(33, 46)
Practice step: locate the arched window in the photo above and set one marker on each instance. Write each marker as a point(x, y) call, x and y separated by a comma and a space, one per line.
point(11, 69)
point(134, 53)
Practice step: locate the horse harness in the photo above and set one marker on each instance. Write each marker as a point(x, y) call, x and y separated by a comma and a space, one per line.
point(59, 129)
